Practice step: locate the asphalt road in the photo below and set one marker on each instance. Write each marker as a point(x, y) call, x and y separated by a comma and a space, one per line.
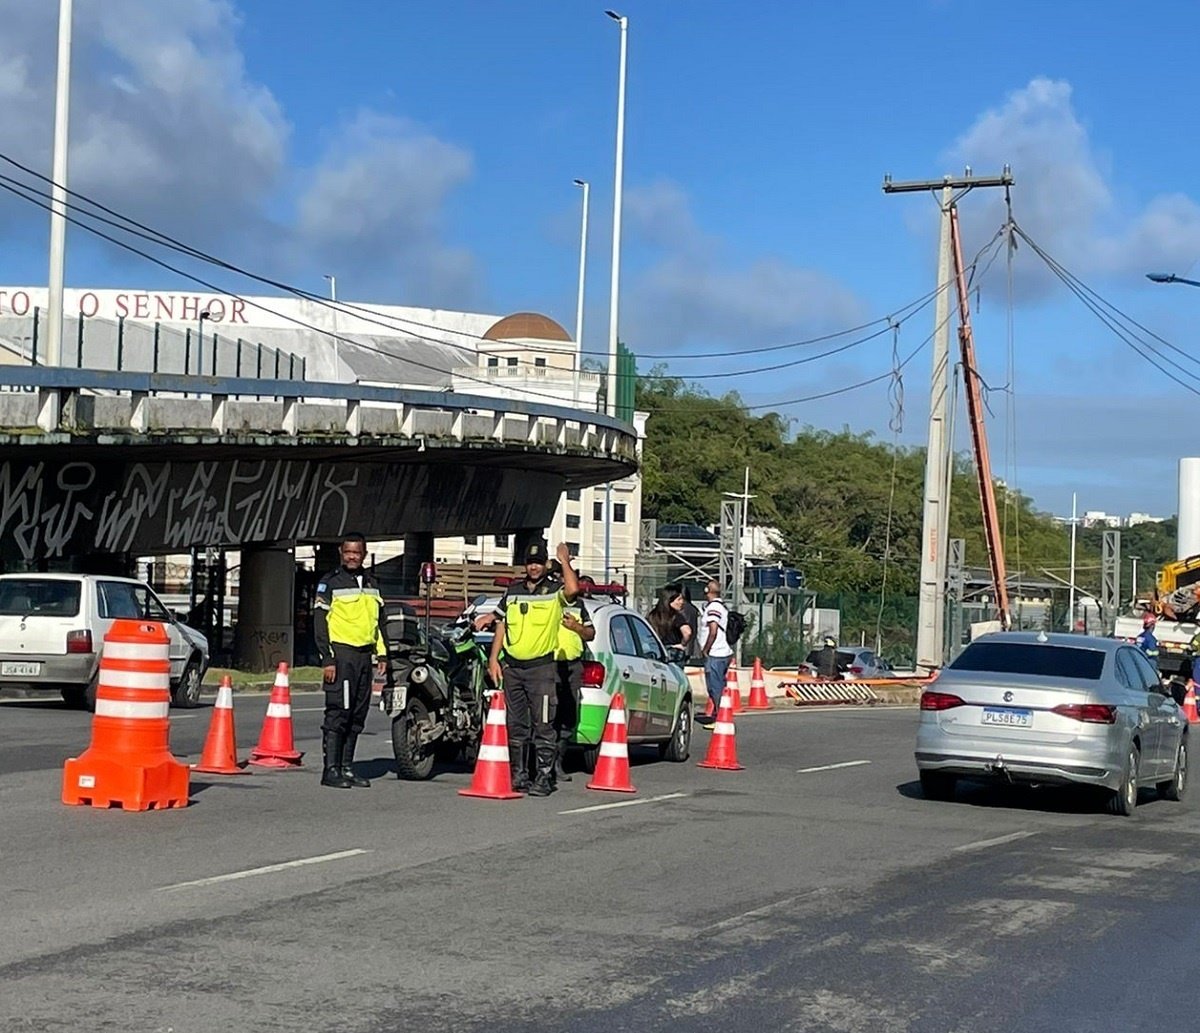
point(791, 896)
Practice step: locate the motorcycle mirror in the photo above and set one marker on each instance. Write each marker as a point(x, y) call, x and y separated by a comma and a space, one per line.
point(479, 600)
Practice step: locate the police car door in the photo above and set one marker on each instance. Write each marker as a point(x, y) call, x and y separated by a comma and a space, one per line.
point(660, 706)
point(633, 676)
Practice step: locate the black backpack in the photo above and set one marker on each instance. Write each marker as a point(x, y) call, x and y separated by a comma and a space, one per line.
point(734, 626)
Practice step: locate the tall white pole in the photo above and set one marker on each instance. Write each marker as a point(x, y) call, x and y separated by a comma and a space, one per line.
point(614, 294)
point(337, 349)
point(58, 194)
point(1071, 590)
point(931, 631)
point(615, 287)
point(583, 236)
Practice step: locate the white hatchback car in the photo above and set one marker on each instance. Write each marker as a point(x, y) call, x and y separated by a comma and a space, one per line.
point(52, 627)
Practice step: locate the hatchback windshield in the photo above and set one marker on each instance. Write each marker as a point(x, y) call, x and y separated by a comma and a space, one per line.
point(43, 597)
point(1031, 658)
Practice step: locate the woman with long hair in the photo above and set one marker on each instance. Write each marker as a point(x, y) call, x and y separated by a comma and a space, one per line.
point(667, 619)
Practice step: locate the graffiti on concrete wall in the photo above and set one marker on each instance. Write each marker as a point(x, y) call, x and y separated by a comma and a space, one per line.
point(48, 510)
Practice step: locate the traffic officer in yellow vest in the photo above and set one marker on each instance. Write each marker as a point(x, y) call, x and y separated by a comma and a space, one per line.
point(348, 624)
point(575, 630)
point(528, 619)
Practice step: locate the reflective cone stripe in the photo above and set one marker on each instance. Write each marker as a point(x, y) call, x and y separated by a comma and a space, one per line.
point(276, 747)
point(758, 689)
point(722, 748)
point(612, 767)
point(734, 690)
point(492, 779)
point(129, 763)
point(219, 756)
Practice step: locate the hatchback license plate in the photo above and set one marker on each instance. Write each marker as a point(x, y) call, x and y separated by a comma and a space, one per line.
point(19, 670)
point(1013, 718)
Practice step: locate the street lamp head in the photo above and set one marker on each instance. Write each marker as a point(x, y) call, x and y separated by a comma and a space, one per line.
point(1161, 277)
point(580, 183)
point(615, 17)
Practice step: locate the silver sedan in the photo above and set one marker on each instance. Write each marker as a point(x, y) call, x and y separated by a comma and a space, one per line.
point(1052, 709)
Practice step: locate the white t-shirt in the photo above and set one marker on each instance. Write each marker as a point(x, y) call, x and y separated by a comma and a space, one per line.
point(716, 613)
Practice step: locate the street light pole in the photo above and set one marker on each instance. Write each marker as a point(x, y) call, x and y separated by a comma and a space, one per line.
point(1071, 590)
point(206, 314)
point(58, 188)
point(1171, 278)
point(1134, 562)
point(618, 179)
point(337, 351)
point(583, 236)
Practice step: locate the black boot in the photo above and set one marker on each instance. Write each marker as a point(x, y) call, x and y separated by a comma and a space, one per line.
point(543, 782)
point(560, 762)
point(519, 766)
point(332, 775)
point(347, 768)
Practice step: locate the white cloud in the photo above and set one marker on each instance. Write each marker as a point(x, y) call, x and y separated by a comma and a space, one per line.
point(168, 127)
point(373, 208)
point(689, 294)
point(1062, 197)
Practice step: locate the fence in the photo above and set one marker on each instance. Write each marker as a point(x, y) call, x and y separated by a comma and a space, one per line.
point(95, 343)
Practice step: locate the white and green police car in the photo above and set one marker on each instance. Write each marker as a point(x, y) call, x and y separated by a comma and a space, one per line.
point(627, 657)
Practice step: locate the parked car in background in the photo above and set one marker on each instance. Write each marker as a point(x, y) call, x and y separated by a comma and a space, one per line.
point(1053, 709)
point(854, 662)
point(52, 627)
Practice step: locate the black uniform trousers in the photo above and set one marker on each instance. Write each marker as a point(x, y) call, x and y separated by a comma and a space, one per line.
point(530, 699)
point(569, 689)
point(348, 699)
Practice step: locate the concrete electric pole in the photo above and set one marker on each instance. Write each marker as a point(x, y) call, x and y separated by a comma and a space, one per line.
point(931, 617)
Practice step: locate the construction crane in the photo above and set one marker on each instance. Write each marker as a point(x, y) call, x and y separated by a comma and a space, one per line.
point(979, 442)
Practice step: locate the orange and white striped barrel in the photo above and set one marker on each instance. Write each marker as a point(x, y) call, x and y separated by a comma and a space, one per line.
point(129, 762)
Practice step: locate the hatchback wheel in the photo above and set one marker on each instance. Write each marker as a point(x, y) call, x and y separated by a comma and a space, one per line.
point(1124, 798)
point(1176, 786)
point(187, 692)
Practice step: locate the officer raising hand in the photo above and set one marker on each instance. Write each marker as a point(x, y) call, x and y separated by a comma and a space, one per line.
point(528, 619)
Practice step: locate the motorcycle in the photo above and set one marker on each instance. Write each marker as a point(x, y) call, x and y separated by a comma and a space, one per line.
point(436, 694)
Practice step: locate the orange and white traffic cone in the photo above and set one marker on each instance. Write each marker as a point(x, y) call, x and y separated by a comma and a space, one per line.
point(612, 769)
point(722, 749)
point(733, 688)
point(276, 747)
point(758, 689)
point(1189, 703)
point(219, 756)
point(129, 762)
point(492, 779)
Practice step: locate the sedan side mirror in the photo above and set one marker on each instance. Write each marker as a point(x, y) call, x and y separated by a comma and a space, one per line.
point(1178, 691)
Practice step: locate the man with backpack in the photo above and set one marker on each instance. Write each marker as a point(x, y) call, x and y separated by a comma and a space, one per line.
point(716, 650)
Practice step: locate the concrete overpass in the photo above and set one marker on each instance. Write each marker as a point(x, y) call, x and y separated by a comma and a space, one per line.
point(98, 465)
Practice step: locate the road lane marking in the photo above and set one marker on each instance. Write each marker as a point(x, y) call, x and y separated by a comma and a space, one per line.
point(753, 913)
point(267, 869)
point(833, 767)
point(624, 803)
point(983, 844)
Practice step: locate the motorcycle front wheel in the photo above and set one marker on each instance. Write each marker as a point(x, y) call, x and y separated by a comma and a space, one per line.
point(414, 755)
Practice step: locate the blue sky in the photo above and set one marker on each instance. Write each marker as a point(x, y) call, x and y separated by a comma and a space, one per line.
point(424, 153)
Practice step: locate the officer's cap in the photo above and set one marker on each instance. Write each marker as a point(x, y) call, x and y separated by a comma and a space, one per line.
point(536, 552)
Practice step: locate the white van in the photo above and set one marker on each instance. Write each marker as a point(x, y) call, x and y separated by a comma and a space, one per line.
point(52, 627)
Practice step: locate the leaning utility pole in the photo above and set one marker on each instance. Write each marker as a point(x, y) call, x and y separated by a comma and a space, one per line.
point(931, 616)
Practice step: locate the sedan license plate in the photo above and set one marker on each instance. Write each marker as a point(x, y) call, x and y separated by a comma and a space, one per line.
point(20, 670)
point(1004, 716)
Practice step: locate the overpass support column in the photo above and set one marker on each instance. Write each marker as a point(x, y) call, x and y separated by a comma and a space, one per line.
point(266, 608)
point(418, 549)
point(523, 539)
